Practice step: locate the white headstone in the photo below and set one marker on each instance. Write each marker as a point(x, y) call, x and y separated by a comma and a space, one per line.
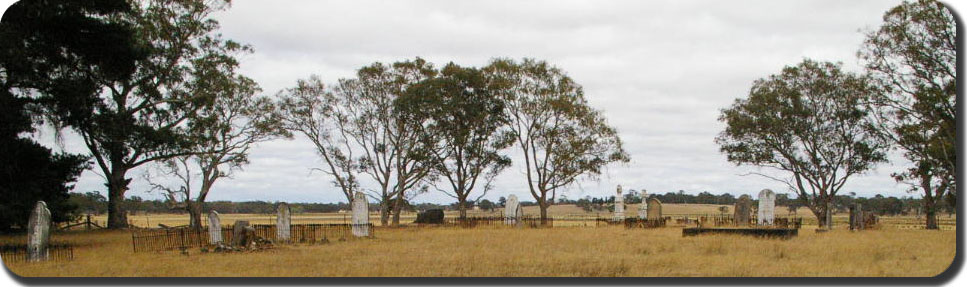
point(360, 216)
point(214, 228)
point(283, 223)
point(619, 206)
point(767, 207)
point(643, 210)
point(38, 232)
point(512, 211)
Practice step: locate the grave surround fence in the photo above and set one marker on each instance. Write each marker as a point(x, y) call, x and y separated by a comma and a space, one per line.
point(18, 253)
point(144, 240)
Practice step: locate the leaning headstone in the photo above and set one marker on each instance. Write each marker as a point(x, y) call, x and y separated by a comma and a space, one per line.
point(619, 206)
point(239, 233)
point(360, 216)
point(214, 228)
point(743, 210)
point(767, 207)
point(512, 211)
point(654, 209)
point(283, 223)
point(38, 233)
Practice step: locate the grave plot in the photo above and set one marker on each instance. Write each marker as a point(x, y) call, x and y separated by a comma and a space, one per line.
point(763, 223)
point(241, 235)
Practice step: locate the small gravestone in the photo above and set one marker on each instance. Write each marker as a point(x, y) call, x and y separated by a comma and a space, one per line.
point(360, 216)
point(619, 206)
point(239, 233)
point(767, 207)
point(654, 209)
point(214, 228)
point(38, 233)
point(283, 223)
point(512, 211)
point(432, 216)
point(743, 210)
point(857, 219)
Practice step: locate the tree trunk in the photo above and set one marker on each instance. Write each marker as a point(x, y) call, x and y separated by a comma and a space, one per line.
point(117, 184)
point(931, 212)
point(543, 207)
point(384, 212)
point(397, 209)
point(194, 214)
point(462, 206)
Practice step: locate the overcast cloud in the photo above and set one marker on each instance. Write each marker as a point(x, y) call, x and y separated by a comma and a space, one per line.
point(659, 70)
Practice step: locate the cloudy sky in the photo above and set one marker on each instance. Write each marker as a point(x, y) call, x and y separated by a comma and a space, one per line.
point(659, 70)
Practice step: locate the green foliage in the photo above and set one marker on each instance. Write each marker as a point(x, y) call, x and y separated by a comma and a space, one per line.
point(809, 121)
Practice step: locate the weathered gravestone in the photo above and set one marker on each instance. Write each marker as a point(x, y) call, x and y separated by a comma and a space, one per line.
point(512, 211)
point(432, 216)
point(240, 234)
point(857, 220)
point(643, 211)
point(214, 228)
point(360, 216)
point(654, 209)
point(767, 207)
point(38, 233)
point(619, 206)
point(283, 223)
point(743, 210)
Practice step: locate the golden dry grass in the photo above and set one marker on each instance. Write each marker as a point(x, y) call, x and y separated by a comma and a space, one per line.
point(602, 251)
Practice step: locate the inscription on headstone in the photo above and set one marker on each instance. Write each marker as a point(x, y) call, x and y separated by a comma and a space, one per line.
point(654, 209)
point(38, 233)
point(512, 211)
point(767, 207)
point(214, 228)
point(743, 210)
point(360, 216)
point(619, 206)
point(283, 223)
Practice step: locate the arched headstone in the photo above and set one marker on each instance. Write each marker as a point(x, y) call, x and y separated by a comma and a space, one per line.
point(743, 210)
point(767, 207)
point(654, 209)
point(360, 216)
point(38, 233)
point(214, 228)
point(512, 210)
point(283, 223)
point(619, 206)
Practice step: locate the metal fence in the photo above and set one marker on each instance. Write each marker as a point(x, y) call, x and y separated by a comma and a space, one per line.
point(19, 253)
point(143, 240)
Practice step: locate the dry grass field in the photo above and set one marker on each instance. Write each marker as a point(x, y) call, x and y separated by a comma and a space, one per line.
point(488, 251)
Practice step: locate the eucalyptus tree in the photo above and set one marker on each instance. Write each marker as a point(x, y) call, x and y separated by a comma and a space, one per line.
point(913, 58)
point(561, 137)
point(465, 120)
point(138, 118)
point(810, 122)
point(224, 132)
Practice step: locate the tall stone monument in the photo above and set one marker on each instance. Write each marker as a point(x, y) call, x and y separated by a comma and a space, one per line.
point(38, 233)
point(283, 223)
point(619, 206)
point(360, 216)
point(214, 228)
point(654, 209)
point(512, 211)
point(857, 219)
point(643, 210)
point(743, 210)
point(767, 207)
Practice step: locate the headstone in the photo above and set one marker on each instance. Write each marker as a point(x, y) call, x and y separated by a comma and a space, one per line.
point(512, 211)
point(857, 220)
point(432, 216)
point(654, 209)
point(743, 210)
point(643, 210)
point(239, 233)
point(38, 233)
point(767, 207)
point(360, 216)
point(619, 206)
point(283, 223)
point(214, 228)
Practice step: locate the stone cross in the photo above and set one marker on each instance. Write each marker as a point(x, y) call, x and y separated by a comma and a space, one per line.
point(743, 210)
point(643, 210)
point(38, 233)
point(360, 216)
point(654, 209)
point(512, 211)
point(283, 223)
point(214, 228)
point(619, 206)
point(767, 207)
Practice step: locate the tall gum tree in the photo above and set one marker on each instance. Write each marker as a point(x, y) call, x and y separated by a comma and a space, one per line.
point(808, 121)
